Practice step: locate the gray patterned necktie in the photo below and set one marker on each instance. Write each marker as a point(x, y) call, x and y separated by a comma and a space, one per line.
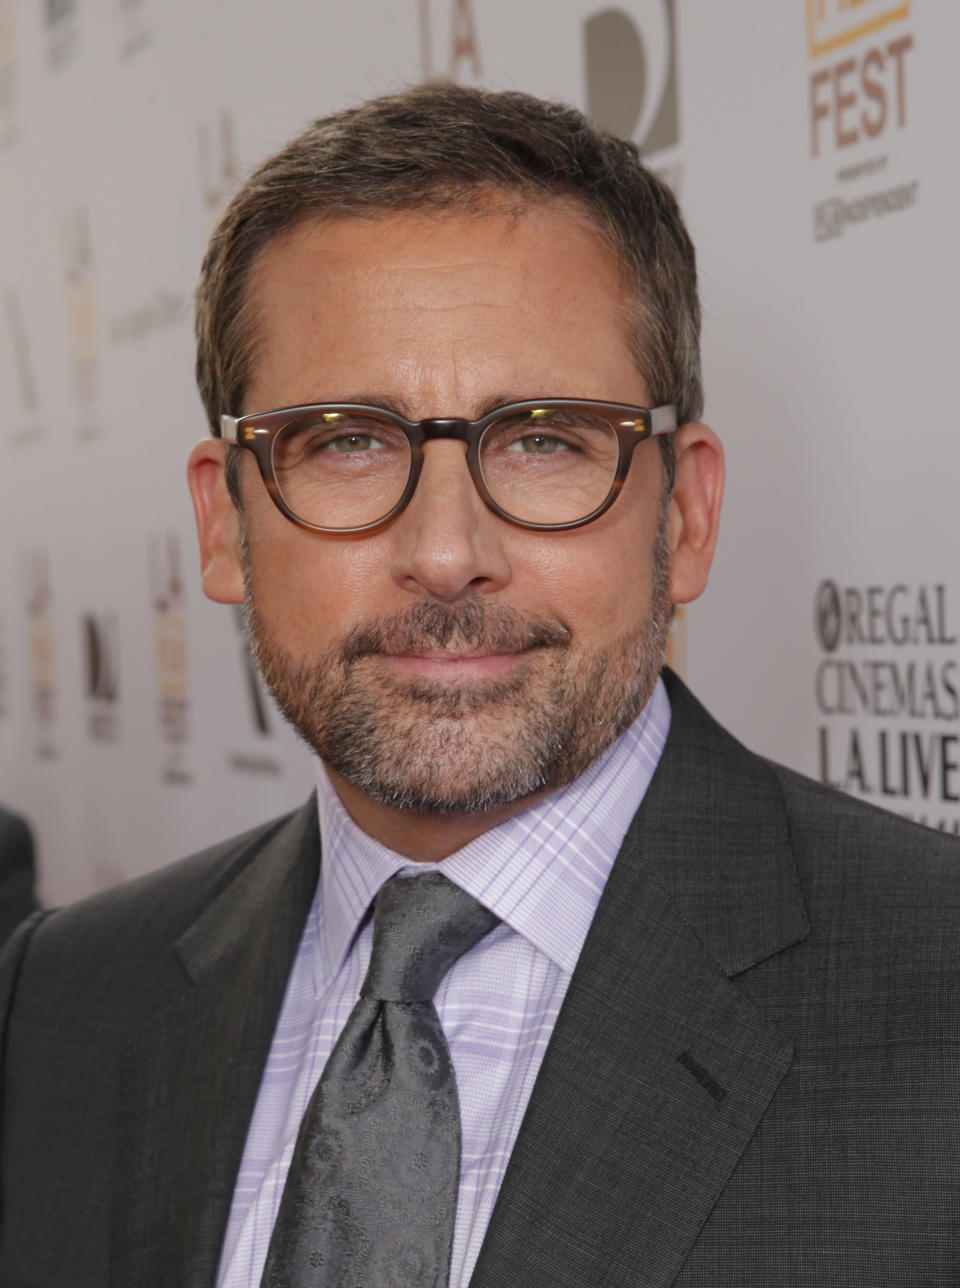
point(371, 1193)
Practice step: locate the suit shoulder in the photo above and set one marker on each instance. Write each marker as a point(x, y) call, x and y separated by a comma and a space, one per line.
point(846, 838)
point(129, 919)
point(813, 805)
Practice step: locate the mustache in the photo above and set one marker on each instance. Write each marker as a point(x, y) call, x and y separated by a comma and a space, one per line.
point(471, 624)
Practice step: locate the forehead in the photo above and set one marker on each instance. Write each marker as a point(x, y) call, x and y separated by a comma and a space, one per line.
point(416, 303)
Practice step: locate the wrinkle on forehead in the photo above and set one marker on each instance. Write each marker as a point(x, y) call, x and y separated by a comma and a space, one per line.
point(441, 309)
point(415, 229)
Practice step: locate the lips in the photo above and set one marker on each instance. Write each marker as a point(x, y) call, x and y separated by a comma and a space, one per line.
point(460, 665)
point(456, 655)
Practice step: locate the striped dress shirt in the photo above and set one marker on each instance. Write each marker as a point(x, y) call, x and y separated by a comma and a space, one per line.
point(542, 872)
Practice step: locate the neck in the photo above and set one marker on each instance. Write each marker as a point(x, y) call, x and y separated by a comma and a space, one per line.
point(425, 838)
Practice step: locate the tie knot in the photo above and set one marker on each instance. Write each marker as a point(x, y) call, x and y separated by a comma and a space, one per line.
point(421, 925)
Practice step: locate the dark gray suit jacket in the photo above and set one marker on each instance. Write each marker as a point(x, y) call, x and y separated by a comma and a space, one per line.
point(754, 1079)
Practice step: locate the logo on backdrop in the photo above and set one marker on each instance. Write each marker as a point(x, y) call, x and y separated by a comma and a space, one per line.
point(219, 168)
point(887, 690)
point(165, 309)
point(631, 79)
point(8, 74)
point(829, 615)
point(135, 34)
point(63, 31)
point(260, 711)
point(41, 648)
point(101, 658)
point(449, 47)
point(82, 323)
point(861, 56)
point(27, 428)
point(168, 596)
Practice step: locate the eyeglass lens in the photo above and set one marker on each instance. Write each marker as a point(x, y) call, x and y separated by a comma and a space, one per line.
point(346, 469)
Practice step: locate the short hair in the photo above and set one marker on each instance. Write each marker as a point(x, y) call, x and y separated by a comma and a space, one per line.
point(438, 146)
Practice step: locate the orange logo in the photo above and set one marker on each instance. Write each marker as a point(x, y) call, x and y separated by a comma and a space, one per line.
point(41, 644)
point(7, 54)
point(170, 636)
point(219, 168)
point(862, 93)
point(456, 20)
point(82, 327)
point(831, 24)
point(23, 361)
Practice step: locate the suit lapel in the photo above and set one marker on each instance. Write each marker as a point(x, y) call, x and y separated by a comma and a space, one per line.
point(660, 1068)
point(192, 1074)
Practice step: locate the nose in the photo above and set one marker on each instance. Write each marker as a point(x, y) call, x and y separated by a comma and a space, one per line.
point(446, 542)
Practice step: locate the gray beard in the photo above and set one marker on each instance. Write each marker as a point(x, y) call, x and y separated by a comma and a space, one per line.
point(437, 749)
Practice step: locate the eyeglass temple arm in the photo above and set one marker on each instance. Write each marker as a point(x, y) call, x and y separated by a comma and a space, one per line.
point(662, 419)
point(228, 428)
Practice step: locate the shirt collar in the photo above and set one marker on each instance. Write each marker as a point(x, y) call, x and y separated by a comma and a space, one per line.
point(542, 871)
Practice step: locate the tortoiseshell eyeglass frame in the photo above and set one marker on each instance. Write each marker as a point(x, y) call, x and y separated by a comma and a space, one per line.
point(632, 425)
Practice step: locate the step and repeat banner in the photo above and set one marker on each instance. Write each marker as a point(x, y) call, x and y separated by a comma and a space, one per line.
point(811, 143)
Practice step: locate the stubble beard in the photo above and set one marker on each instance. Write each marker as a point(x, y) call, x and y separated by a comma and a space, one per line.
point(438, 748)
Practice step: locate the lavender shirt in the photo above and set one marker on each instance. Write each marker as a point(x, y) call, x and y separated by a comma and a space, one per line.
point(542, 872)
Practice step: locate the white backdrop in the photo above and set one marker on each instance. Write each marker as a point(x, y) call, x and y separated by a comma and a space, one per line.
point(811, 144)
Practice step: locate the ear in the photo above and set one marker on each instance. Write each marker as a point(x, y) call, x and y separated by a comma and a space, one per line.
point(218, 525)
point(694, 513)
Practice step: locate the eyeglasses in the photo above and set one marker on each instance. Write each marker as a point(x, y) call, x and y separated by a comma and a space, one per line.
point(550, 464)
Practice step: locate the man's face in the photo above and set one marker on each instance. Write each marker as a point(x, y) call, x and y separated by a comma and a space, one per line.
point(451, 662)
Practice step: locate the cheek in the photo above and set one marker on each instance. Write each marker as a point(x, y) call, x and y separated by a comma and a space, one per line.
point(600, 588)
point(310, 588)
point(599, 578)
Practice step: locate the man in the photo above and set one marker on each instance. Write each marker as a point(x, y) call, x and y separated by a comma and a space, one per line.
point(17, 899)
point(711, 1037)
